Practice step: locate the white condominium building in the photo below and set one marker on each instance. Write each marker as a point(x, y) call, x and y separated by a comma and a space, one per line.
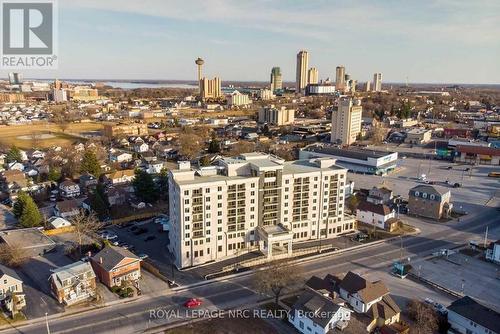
point(253, 202)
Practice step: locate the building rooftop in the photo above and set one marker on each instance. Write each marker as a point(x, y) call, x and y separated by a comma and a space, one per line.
point(72, 270)
point(352, 153)
point(480, 314)
point(31, 239)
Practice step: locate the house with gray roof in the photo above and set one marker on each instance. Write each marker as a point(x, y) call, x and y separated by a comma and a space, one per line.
point(73, 283)
point(465, 315)
point(315, 313)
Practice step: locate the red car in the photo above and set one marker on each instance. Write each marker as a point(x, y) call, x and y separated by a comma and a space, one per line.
point(193, 302)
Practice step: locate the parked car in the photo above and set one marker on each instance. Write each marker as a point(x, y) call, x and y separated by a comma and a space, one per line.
point(149, 238)
point(457, 185)
point(143, 256)
point(193, 302)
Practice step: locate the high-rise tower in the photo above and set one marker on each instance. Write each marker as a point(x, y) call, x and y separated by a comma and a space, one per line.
point(301, 75)
point(377, 82)
point(199, 62)
point(340, 78)
point(276, 79)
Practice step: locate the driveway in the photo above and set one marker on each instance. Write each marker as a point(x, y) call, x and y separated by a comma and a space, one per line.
point(7, 219)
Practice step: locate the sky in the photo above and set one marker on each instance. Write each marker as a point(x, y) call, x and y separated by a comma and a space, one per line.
point(432, 41)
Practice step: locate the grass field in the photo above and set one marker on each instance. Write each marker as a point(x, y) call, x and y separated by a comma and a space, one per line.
point(43, 135)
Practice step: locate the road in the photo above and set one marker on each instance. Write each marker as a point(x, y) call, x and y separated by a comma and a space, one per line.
point(374, 261)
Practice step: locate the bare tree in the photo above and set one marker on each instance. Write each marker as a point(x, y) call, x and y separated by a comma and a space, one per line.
point(425, 317)
point(277, 277)
point(36, 136)
point(12, 255)
point(242, 147)
point(85, 225)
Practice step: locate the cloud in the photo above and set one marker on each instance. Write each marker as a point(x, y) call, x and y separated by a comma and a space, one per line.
point(470, 22)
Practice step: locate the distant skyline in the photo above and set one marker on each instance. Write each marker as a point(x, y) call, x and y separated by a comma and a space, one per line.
point(434, 41)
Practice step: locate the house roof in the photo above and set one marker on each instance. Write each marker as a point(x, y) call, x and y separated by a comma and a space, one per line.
point(9, 272)
point(483, 150)
point(112, 256)
point(315, 306)
point(480, 314)
point(66, 206)
point(58, 222)
point(429, 189)
point(67, 183)
point(380, 209)
point(368, 291)
point(71, 270)
point(385, 309)
point(121, 173)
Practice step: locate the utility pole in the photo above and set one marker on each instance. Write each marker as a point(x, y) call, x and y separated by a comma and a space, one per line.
point(47, 323)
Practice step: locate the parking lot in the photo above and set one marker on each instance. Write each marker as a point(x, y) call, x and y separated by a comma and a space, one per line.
point(475, 191)
point(148, 238)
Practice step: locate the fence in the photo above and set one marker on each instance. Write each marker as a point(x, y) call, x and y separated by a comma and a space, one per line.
point(139, 216)
point(56, 231)
point(146, 265)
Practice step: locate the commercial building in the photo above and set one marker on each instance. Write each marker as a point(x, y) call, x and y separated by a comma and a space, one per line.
point(377, 82)
point(367, 86)
point(210, 88)
point(312, 76)
point(15, 78)
point(346, 121)
point(253, 202)
point(355, 160)
point(418, 136)
point(478, 155)
point(275, 116)
point(236, 99)
point(320, 89)
point(301, 75)
point(429, 201)
point(114, 265)
point(340, 78)
point(112, 130)
point(11, 97)
point(84, 94)
point(266, 94)
point(276, 79)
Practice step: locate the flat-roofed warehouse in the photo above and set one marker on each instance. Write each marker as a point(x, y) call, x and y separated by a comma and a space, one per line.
point(355, 160)
point(32, 240)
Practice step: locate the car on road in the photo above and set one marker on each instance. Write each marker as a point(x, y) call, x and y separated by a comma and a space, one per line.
point(449, 167)
point(429, 301)
point(143, 256)
point(457, 185)
point(193, 302)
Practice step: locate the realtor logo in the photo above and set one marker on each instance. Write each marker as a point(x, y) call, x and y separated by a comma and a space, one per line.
point(28, 34)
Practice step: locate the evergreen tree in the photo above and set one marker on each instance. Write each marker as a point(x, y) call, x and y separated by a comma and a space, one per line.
point(90, 164)
point(27, 211)
point(99, 202)
point(144, 186)
point(163, 184)
point(214, 146)
point(54, 174)
point(14, 154)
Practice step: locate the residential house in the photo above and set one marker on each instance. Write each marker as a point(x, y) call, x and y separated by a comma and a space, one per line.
point(117, 196)
point(66, 209)
point(121, 176)
point(369, 298)
point(13, 181)
point(11, 289)
point(493, 252)
point(154, 167)
point(113, 265)
point(69, 189)
point(466, 316)
point(380, 195)
point(87, 182)
point(141, 147)
point(14, 165)
point(120, 157)
point(73, 283)
point(429, 201)
point(315, 313)
point(58, 222)
point(374, 214)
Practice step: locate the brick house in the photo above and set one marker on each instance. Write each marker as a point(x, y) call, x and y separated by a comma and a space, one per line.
point(113, 265)
point(429, 201)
